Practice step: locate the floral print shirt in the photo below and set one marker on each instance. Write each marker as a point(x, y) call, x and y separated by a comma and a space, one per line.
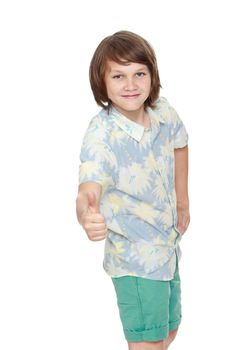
point(135, 166)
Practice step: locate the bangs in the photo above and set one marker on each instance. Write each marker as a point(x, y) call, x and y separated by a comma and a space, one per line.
point(124, 52)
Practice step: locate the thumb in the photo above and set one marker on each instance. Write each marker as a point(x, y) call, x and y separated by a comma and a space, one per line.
point(92, 202)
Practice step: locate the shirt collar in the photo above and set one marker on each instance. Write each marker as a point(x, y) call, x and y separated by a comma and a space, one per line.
point(134, 129)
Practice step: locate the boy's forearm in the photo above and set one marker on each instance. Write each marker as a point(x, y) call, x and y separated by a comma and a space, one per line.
point(181, 177)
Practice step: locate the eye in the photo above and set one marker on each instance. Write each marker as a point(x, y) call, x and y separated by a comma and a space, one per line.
point(118, 76)
point(141, 74)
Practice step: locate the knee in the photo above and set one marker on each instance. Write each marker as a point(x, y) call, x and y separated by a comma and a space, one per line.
point(172, 335)
point(147, 345)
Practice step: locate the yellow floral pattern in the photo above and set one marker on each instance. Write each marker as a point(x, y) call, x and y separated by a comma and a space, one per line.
point(135, 167)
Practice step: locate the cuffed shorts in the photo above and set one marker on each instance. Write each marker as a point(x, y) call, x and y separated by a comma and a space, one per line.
point(148, 309)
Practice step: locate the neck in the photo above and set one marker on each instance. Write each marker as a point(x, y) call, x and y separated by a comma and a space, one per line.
point(140, 116)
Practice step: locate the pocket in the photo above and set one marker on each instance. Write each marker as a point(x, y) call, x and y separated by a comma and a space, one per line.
point(125, 289)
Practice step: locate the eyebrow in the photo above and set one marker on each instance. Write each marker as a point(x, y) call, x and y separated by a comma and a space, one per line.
point(119, 71)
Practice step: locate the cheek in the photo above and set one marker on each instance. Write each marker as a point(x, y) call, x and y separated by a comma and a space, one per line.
point(149, 84)
point(109, 91)
point(112, 89)
point(108, 88)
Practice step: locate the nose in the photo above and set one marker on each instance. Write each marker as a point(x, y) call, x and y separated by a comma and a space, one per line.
point(130, 85)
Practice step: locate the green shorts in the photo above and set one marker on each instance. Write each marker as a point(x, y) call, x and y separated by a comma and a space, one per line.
point(148, 309)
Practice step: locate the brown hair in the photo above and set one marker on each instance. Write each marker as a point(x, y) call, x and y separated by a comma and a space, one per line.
point(122, 47)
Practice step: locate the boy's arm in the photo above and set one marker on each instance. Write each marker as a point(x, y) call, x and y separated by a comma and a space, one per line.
point(82, 200)
point(181, 187)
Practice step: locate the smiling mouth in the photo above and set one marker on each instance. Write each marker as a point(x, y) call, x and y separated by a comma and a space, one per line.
point(131, 96)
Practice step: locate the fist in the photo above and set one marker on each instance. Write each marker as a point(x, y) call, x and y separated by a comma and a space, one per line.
point(93, 221)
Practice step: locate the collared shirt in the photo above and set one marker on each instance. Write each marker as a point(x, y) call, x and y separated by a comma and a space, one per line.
point(135, 166)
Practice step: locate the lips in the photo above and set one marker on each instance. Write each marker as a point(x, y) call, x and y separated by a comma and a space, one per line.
point(131, 96)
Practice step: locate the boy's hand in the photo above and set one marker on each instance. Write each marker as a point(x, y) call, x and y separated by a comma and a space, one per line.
point(92, 220)
point(183, 219)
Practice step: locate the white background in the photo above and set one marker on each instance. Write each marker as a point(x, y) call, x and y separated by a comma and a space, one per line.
point(54, 293)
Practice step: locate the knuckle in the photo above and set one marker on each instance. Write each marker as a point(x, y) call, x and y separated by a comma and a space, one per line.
point(92, 236)
point(86, 226)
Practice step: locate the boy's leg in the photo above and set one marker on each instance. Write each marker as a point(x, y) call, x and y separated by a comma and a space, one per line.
point(174, 307)
point(158, 345)
point(170, 338)
point(144, 311)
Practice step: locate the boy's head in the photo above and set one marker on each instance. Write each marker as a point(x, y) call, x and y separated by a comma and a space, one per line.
point(123, 47)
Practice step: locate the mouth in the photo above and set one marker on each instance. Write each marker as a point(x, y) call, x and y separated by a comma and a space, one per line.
point(130, 97)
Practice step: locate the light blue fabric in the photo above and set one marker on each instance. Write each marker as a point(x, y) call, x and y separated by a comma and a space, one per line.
point(135, 166)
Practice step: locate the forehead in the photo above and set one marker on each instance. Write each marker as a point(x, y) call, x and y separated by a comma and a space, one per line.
point(128, 67)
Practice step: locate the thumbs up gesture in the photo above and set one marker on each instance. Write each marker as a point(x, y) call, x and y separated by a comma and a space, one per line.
point(92, 220)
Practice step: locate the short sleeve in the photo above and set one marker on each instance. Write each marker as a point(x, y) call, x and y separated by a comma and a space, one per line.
point(178, 131)
point(98, 163)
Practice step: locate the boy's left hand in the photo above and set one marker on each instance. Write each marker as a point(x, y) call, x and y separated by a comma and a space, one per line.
point(183, 219)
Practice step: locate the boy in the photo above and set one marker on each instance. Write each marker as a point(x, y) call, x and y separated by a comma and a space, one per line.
point(133, 188)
